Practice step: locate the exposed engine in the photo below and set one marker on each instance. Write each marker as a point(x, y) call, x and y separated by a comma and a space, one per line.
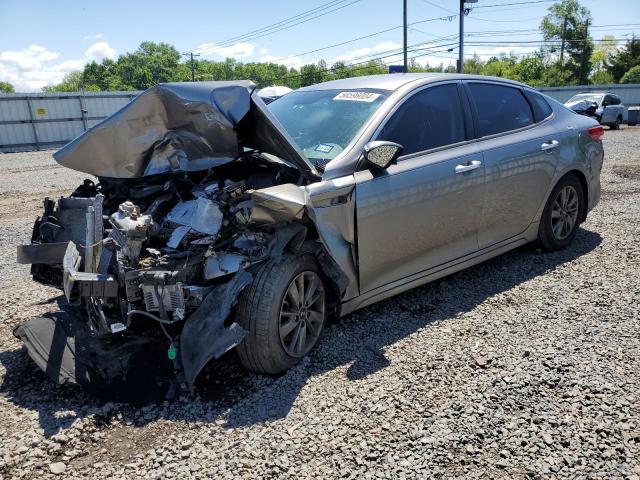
point(152, 249)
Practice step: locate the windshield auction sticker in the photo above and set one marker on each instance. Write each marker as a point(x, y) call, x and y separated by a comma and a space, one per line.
point(324, 148)
point(357, 96)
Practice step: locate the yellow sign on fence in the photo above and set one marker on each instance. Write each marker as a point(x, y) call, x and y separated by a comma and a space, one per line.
point(41, 111)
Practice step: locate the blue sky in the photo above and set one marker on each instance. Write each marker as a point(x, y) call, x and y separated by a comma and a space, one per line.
point(41, 40)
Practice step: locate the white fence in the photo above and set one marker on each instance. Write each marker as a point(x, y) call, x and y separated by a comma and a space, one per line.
point(35, 121)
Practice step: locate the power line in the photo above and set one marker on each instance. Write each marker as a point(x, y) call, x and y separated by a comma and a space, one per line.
point(514, 3)
point(269, 30)
point(362, 38)
point(293, 18)
point(440, 7)
point(551, 42)
point(296, 75)
point(473, 17)
point(398, 51)
point(365, 66)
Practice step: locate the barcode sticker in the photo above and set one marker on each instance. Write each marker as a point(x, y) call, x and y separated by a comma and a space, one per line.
point(357, 96)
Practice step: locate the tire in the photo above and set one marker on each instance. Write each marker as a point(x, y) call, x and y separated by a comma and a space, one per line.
point(265, 309)
point(551, 234)
point(616, 124)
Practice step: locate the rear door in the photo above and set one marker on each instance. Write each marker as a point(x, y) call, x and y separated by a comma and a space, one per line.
point(609, 109)
point(424, 210)
point(520, 151)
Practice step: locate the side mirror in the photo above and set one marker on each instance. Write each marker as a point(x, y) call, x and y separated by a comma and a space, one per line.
point(381, 153)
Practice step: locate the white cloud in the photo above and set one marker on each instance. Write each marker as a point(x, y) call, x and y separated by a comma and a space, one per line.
point(93, 36)
point(237, 50)
point(380, 48)
point(264, 51)
point(289, 62)
point(35, 67)
point(99, 51)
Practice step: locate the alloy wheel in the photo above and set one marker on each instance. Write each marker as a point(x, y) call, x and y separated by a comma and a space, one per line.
point(302, 314)
point(565, 212)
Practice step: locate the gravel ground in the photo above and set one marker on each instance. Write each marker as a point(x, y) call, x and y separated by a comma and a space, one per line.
point(523, 367)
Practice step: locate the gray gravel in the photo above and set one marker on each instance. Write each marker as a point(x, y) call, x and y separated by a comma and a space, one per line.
point(524, 367)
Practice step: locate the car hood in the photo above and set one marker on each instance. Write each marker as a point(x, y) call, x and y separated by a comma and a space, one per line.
point(580, 105)
point(186, 126)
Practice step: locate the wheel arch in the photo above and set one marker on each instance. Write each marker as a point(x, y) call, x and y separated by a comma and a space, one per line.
point(585, 188)
point(582, 178)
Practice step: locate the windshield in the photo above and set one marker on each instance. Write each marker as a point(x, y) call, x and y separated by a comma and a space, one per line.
point(323, 122)
point(586, 96)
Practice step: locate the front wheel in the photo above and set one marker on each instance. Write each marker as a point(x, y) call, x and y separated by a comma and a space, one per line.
point(284, 311)
point(562, 214)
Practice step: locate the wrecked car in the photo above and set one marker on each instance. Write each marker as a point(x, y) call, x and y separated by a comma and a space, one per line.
point(605, 107)
point(212, 222)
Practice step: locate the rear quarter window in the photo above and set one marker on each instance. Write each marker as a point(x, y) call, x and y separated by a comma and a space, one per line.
point(500, 108)
point(541, 108)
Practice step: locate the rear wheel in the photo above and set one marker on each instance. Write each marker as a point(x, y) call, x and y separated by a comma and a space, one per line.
point(284, 311)
point(562, 214)
point(616, 125)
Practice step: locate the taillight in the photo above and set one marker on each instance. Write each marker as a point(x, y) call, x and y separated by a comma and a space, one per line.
point(596, 133)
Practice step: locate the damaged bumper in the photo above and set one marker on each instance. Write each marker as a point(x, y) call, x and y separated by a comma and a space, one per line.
point(155, 254)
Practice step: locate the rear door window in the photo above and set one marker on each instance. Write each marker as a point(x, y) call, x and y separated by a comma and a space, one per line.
point(429, 119)
point(500, 108)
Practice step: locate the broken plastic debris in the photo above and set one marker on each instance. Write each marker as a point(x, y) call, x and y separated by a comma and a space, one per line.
point(117, 327)
point(222, 264)
point(177, 235)
point(201, 215)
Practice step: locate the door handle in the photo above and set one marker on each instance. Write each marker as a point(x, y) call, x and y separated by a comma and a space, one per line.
point(468, 166)
point(549, 145)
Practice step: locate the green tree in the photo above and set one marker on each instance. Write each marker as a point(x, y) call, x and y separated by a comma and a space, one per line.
point(150, 64)
point(531, 69)
point(71, 82)
point(6, 87)
point(568, 21)
point(623, 61)
point(632, 76)
point(602, 53)
point(474, 65)
point(102, 76)
point(502, 66)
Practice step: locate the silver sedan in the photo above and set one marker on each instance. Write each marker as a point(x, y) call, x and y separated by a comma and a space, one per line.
point(218, 222)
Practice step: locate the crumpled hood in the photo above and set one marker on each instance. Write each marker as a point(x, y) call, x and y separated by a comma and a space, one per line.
point(579, 105)
point(186, 126)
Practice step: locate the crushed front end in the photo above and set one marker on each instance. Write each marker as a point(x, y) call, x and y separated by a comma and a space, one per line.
point(153, 254)
point(160, 259)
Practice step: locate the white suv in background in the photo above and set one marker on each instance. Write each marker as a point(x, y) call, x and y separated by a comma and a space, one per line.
point(605, 107)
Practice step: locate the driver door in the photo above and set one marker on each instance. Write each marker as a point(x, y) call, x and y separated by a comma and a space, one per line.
point(425, 210)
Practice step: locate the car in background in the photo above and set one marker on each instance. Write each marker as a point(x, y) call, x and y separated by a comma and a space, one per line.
point(605, 107)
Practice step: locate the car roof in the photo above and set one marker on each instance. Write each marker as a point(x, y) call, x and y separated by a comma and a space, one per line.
point(394, 81)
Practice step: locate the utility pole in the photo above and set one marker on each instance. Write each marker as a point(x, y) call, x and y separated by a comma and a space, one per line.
point(461, 34)
point(583, 59)
point(404, 29)
point(461, 39)
point(564, 33)
point(193, 65)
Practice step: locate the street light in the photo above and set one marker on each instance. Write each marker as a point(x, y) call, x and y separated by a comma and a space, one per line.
point(461, 40)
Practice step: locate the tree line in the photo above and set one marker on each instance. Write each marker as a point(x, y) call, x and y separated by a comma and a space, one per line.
point(569, 56)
